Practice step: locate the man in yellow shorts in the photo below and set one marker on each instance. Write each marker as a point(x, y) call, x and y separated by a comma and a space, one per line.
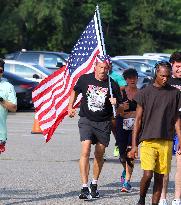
point(157, 115)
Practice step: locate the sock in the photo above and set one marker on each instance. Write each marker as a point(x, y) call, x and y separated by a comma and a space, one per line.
point(84, 185)
point(94, 181)
point(142, 200)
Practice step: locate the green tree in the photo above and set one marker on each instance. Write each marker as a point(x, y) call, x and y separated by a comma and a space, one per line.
point(129, 27)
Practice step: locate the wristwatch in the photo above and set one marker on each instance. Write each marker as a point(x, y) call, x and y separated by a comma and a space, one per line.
point(1, 99)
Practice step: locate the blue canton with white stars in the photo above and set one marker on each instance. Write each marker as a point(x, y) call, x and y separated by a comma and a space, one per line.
point(83, 48)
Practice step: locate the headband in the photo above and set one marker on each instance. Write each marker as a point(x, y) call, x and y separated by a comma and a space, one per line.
point(103, 59)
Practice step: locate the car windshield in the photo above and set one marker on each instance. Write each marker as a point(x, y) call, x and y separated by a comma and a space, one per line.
point(140, 66)
point(149, 61)
point(42, 69)
point(119, 64)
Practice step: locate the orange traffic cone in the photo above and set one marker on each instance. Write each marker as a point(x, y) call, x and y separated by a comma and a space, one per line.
point(36, 127)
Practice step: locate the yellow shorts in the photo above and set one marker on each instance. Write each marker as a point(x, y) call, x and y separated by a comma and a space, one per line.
point(156, 155)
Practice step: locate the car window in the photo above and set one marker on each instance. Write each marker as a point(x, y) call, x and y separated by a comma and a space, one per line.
point(26, 72)
point(7, 67)
point(50, 60)
point(29, 57)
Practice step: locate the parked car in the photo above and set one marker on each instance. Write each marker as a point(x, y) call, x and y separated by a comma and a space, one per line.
point(166, 56)
point(23, 88)
point(147, 59)
point(143, 67)
point(27, 71)
point(119, 64)
point(143, 80)
point(49, 59)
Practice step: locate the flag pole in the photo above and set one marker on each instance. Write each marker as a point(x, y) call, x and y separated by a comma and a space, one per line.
point(104, 52)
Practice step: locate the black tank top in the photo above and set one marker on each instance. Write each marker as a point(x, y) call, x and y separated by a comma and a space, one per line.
point(132, 103)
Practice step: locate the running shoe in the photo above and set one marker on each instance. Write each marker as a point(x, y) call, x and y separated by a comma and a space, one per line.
point(116, 151)
point(2, 148)
point(123, 176)
point(94, 193)
point(163, 202)
point(85, 194)
point(126, 187)
point(176, 202)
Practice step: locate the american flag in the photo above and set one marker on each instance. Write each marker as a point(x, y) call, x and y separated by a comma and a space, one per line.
point(51, 96)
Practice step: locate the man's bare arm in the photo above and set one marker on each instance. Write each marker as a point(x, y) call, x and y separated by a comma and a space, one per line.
point(73, 97)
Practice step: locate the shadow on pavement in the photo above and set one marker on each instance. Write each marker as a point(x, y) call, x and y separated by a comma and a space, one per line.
point(108, 160)
point(113, 190)
point(18, 195)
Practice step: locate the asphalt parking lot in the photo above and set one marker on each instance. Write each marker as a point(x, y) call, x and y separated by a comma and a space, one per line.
point(33, 172)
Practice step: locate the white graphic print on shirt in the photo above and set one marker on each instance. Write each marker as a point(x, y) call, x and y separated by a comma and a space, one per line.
point(96, 97)
point(177, 86)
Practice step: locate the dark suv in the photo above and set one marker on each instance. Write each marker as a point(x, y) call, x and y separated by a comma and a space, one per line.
point(49, 59)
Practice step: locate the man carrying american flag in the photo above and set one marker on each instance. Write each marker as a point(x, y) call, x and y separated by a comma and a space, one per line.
point(57, 95)
point(95, 119)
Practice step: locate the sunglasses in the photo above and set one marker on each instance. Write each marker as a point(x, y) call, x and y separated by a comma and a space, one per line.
point(1, 71)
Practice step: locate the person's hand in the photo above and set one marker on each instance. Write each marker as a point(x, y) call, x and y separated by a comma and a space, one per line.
point(71, 112)
point(126, 105)
point(133, 153)
point(113, 101)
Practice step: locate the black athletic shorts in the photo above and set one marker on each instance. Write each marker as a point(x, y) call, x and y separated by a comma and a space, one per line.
point(94, 131)
point(123, 137)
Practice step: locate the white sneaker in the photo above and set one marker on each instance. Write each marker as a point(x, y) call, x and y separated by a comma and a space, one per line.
point(163, 202)
point(176, 202)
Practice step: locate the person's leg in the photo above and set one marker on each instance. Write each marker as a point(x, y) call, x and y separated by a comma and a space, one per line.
point(157, 187)
point(129, 161)
point(178, 178)
point(144, 185)
point(113, 129)
point(129, 169)
point(84, 169)
point(126, 185)
point(84, 161)
point(164, 189)
point(98, 160)
point(97, 167)
point(122, 142)
point(148, 158)
point(163, 166)
point(86, 138)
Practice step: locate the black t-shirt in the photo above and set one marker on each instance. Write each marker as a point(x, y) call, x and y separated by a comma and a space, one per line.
point(175, 82)
point(95, 104)
point(161, 107)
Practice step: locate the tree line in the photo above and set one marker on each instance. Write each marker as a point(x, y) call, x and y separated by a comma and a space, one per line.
point(129, 26)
